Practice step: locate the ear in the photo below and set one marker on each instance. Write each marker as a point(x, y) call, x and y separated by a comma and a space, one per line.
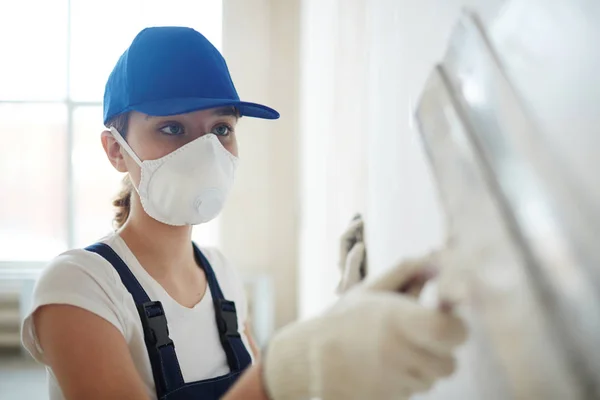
point(112, 148)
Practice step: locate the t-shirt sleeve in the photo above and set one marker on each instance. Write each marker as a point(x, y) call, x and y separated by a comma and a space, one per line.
point(81, 279)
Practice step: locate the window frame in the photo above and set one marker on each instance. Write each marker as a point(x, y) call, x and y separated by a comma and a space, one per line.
point(71, 105)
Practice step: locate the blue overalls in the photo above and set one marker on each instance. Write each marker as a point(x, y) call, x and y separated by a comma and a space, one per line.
point(161, 350)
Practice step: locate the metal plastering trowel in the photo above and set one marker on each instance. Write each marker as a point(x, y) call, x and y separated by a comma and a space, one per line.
point(518, 258)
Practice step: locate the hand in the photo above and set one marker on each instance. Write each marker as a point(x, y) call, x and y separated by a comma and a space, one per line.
point(374, 343)
point(353, 258)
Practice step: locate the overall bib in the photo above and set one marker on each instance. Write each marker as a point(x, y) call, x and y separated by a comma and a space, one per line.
point(161, 350)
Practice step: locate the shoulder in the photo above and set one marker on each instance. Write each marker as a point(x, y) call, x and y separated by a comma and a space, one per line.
point(74, 272)
point(79, 278)
point(73, 268)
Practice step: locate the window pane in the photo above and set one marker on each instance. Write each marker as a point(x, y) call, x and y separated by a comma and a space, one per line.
point(102, 30)
point(33, 186)
point(95, 181)
point(34, 49)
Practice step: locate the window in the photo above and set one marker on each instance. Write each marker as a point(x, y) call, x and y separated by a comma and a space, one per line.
point(56, 185)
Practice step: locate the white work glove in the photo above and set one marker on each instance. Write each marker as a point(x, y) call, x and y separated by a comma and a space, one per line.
point(374, 343)
point(353, 257)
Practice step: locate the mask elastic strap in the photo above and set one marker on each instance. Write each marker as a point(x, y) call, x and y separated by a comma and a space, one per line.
point(125, 145)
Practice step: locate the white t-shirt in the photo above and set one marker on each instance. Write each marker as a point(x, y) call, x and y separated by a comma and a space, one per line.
point(85, 279)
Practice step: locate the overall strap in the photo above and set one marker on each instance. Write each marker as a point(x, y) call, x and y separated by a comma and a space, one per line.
point(161, 350)
point(238, 357)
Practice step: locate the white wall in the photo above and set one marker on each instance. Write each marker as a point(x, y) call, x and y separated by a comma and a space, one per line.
point(363, 66)
point(259, 224)
point(333, 140)
point(303, 177)
point(406, 39)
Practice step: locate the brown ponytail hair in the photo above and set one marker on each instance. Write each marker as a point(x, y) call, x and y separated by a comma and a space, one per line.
point(122, 202)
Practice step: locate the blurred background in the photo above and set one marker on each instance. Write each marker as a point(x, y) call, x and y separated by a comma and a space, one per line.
point(345, 75)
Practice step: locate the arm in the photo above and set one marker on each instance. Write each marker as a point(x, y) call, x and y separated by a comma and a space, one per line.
point(408, 346)
point(253, 346)
point(88, 355)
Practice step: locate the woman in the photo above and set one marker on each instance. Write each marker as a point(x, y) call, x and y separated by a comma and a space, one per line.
point(145, 313)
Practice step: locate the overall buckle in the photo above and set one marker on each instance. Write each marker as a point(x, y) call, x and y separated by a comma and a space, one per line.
point(227, 317)
point(154, 323)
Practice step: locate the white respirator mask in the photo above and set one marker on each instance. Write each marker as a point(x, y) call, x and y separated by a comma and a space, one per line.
point(188, 186)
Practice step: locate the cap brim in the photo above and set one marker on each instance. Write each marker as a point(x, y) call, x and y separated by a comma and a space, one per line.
point(163, 108)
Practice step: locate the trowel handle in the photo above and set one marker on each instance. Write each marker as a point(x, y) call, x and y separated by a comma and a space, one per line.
point(424, 284)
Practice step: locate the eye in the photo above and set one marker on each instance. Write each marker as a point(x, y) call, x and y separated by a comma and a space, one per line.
point(172, 129)
point(222, 130)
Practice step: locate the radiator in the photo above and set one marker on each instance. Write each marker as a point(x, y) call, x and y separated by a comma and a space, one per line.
point(10, 318)
point(16, 285)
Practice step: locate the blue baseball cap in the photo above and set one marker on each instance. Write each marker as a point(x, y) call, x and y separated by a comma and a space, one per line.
point(173, 70)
